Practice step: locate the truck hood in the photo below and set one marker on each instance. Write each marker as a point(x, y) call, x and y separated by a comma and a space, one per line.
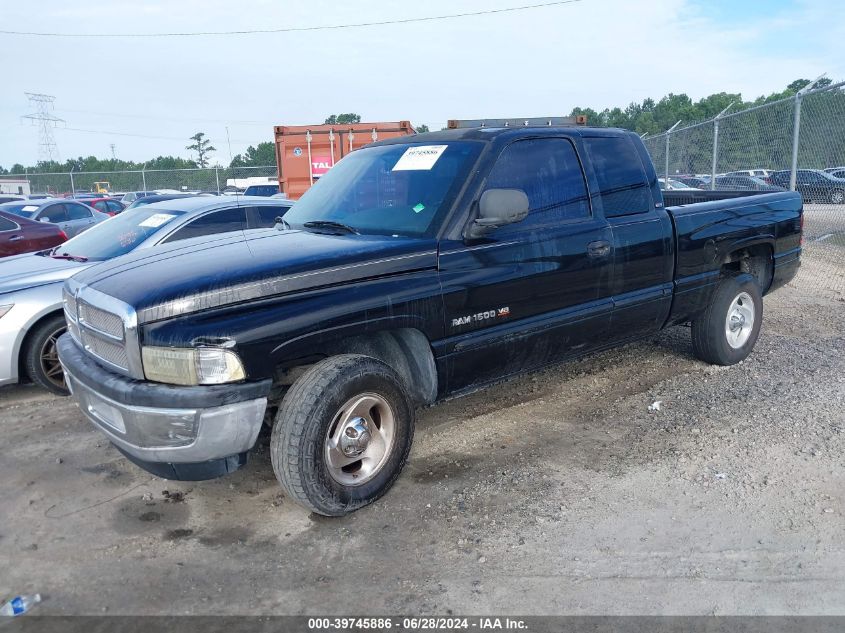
point(20, 272)
point(204, 273)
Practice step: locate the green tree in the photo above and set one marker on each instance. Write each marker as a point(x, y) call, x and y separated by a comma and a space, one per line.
point(341, 119)
point(262, 155)
point(422, 128)
point(203, 147)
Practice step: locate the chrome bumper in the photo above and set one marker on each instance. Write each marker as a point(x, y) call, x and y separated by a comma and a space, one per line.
point(154, 432)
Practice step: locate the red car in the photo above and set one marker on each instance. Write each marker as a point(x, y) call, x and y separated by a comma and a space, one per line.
point(19, 235)
point(109, 206)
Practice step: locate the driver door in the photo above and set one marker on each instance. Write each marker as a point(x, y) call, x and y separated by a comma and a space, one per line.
point(533, 291)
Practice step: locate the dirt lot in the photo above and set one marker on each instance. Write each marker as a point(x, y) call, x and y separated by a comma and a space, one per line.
point(558, 492)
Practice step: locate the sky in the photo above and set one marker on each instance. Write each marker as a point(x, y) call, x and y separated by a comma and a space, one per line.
point(538, 62)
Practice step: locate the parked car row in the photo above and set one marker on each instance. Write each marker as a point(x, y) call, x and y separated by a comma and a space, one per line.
point(816, 185)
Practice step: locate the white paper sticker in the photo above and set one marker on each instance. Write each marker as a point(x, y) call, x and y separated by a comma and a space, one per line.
point(155, 221)
point(30, 207)
point(419, 158)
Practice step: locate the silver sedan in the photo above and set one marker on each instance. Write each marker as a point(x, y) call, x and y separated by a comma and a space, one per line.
point(31, 317)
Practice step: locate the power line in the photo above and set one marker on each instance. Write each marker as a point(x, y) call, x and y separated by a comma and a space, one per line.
point(158, 138)
point(123, 115)
point(297, 29)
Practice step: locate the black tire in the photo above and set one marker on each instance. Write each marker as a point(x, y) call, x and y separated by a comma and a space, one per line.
point(40, 358)
point(837, 196)
point(307, 413)
point(709, 335)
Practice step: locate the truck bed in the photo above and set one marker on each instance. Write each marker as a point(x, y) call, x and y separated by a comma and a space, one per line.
point(757, 233)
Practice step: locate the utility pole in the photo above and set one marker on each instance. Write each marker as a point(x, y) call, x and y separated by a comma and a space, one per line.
point(668, 134)
point(716, 146)
point(42, 104)
point(796, 129)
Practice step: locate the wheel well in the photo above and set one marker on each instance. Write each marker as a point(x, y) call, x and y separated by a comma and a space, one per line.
point(25, 342)
point(406, 350)
point(757, 260)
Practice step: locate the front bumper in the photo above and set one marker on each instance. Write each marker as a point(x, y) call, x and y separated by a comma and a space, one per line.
point(174, 432)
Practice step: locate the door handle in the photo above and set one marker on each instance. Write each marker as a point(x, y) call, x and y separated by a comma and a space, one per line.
point(600, 248)
point(16, 238)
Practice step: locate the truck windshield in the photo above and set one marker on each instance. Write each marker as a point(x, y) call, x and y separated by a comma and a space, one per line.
point(118, 235)
point(402, 190)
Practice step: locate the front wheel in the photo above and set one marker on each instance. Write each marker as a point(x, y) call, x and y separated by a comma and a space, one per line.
point(342, 434)
point(41, 359)
point(837, 196)
point(728, 329)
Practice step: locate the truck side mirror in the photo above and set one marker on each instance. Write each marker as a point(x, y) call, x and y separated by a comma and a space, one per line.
point(499, 207)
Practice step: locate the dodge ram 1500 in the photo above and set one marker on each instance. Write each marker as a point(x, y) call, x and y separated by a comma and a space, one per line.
point(416, 268)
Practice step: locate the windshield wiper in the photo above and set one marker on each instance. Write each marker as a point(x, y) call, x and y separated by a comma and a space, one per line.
point(330, 224)
point(73, 258)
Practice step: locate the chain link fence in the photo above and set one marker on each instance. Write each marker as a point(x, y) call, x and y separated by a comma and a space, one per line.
point(212, 180)
point(777, 142)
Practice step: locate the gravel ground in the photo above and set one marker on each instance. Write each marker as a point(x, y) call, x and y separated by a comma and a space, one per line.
point(558, 492)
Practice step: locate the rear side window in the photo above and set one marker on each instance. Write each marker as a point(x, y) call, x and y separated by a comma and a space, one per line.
point(549, 173)
point(211, 224)
point(78, 212)
point(7, 225)
point(54, 213)
point(623, 185)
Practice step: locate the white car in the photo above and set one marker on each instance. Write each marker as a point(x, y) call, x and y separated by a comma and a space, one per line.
point(756, 173)
point(674, 185)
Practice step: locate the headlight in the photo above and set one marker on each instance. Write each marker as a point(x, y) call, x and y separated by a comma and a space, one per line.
point(5, 309)
point(184, 366)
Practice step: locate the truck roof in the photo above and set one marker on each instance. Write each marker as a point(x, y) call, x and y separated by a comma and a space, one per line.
point(492, 133)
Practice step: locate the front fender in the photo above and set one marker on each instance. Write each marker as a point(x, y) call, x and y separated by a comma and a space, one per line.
point(29, 307)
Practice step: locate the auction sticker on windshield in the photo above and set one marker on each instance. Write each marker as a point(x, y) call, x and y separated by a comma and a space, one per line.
point(155, 221)
point(419, 158)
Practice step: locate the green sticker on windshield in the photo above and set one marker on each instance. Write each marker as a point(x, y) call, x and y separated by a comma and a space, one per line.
point(420, 206)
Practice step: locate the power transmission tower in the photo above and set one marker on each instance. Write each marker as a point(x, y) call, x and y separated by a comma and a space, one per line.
point(112, 151)
point(47, 149)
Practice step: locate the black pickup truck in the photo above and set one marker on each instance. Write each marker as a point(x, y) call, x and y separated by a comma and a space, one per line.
point(417, 268)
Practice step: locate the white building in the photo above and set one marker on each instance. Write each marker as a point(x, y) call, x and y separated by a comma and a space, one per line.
point(17, 186)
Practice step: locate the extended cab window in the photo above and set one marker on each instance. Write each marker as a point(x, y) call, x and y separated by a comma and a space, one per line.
point(548, 171)
point(211, 224)
point(623, 185)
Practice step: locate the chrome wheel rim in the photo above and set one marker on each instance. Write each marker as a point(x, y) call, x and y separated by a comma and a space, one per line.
point(837, 197)
point(360, 439)
point(49, 360)
point(740, 320)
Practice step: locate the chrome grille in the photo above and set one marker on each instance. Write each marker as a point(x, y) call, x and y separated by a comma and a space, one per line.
point(70, 304)
point(100, 320)
point(73, 328)
point(112, 353)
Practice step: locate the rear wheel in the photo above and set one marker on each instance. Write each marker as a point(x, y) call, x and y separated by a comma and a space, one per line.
point(837, 196)
point(728, 329)
point(342, 434)
point(41, 358)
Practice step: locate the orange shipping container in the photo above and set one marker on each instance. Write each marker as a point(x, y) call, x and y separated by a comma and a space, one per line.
point(306, 152)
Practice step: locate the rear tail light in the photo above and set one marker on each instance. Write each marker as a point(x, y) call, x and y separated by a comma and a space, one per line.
point(63, 235)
